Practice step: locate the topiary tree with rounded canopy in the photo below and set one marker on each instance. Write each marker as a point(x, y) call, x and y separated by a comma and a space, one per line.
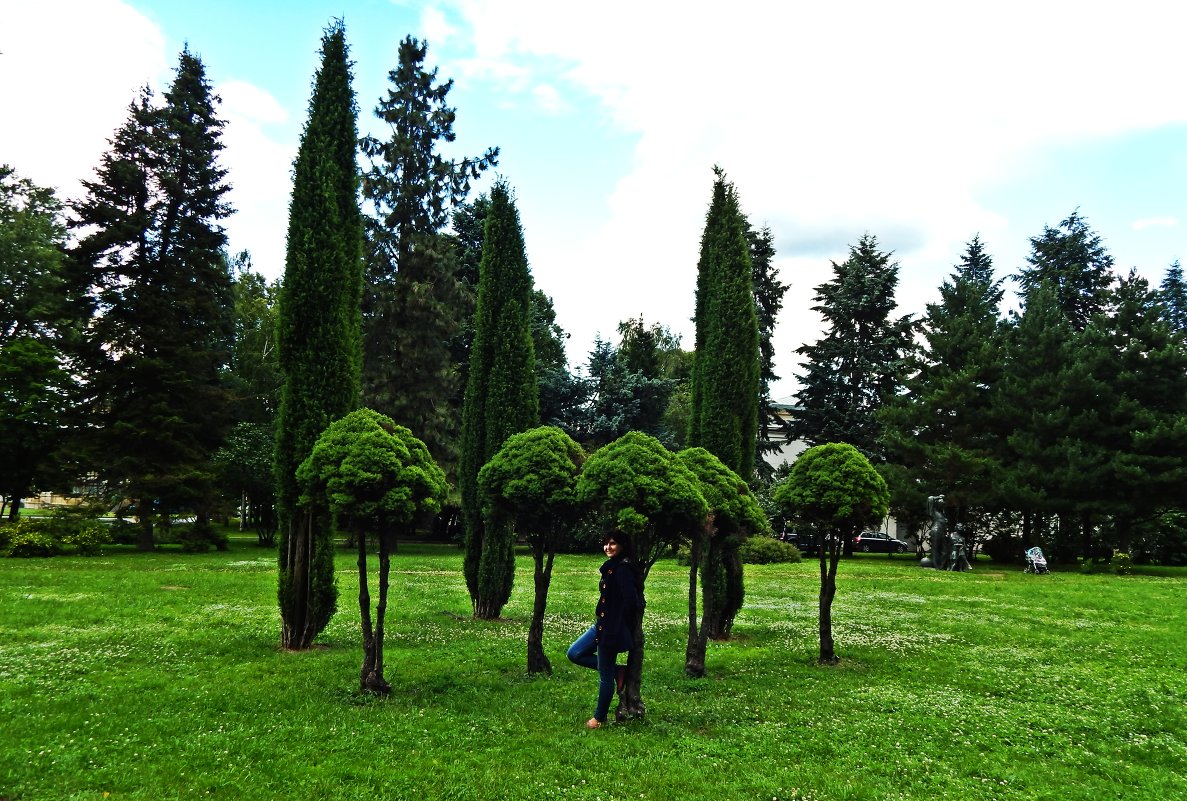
point(648, 493)
point(833, 491)
point(733, 512)
point(376, 478)
point(531, 483)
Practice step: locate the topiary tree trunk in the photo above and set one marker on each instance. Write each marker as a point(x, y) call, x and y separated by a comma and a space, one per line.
point(543, 559)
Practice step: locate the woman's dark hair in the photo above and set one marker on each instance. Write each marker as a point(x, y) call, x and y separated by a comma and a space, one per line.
point(622, 538)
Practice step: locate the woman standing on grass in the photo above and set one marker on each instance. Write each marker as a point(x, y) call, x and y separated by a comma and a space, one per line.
point(599, 647)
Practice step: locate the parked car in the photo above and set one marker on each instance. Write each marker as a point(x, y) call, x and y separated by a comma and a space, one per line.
point(877, 542)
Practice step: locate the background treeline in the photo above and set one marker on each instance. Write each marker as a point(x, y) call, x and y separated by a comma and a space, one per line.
point(139, 358)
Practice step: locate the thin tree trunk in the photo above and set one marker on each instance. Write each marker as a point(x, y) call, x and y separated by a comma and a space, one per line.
point(630, 700)
point(367, 671)
point(828, 590)
point(145, 541)
point(377, 684)
point(537, 660)
point(694, 652)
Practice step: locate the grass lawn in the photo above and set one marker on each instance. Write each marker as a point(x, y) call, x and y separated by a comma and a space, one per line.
point(158, 676)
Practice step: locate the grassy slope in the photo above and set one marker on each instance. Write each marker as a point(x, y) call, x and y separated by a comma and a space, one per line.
point(150, 676)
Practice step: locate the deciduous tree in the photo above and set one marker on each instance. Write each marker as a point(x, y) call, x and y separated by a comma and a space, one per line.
point(36, 326)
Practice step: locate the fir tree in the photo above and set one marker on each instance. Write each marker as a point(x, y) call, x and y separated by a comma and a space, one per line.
point(415, 302)
point(502, 396)
point(859, 362)
point(939, 428)
point(153, 253)
point(768, 301)
point(1173, 297)
point(1073, 260)
point(319, 333)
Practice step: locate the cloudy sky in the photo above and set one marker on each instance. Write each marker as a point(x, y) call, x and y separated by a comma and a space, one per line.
point(922, 123)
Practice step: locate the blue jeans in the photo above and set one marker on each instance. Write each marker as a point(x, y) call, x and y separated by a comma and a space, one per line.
point(588, 654)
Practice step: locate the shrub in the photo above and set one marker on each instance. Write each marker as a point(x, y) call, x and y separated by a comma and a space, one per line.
point(85, 536)
point(762, 550)
point(30, 538)
point(1122, 564)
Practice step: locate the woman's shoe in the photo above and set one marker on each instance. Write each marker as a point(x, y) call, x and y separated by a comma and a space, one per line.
point(593, 723)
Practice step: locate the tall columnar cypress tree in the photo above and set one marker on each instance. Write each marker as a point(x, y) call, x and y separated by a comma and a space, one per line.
point(726, 381)
point(151, 260)
point(502, 396)
point(725, 378)
point(319, 332)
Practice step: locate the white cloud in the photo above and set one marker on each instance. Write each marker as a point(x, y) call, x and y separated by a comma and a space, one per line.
point(259, 171)
point(68, 73)
point(1155, 222)
point(831, 118)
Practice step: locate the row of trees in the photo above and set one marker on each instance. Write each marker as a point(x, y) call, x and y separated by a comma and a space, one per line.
point(1058, 424)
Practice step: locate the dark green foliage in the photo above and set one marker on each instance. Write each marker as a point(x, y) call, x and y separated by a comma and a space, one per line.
point(418, 294)
point(637, 485)
point(502, 396)
point(833, 492)
point(1073, 262)
point(860, 361)
point(1173, 296)
point(376, 478)
point(726, 374)
point(62, 532)
point(734, 514)
point(768, 551)
point(152, 258)
point(318, 333)
point(768, 301)
point(726, 387)
point(939, 432)
point(532, 484)
point(244, 467)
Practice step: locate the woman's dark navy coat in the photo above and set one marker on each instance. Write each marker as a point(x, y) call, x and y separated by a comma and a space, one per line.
point(617, 605)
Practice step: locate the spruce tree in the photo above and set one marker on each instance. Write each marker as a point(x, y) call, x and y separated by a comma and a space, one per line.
point(152, 252)
point(940, 427)
point(768, 301)
point(319, 333)
point(416, 301)
point(1172, 294)
point(726, 377)
point(852, 370)
point(1072, 259)
point(502, 396)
